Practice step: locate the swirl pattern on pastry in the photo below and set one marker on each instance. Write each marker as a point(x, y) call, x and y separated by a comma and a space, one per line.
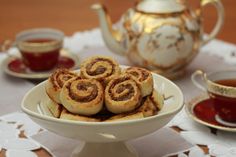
point(82, 96)
point(56, 82)
point(100, 68)
point(144, 79)
point(122, 94)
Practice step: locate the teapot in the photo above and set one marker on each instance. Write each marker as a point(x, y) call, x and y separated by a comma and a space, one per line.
point(161, 35)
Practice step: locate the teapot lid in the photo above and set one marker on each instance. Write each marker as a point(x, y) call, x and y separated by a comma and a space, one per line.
point(161, 6)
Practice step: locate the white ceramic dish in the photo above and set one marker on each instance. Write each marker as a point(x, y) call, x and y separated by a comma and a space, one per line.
point(37, 75)
point(104, 139)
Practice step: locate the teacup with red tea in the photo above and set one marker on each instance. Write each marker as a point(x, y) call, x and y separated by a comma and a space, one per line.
point(221, 87)
point(40, 48)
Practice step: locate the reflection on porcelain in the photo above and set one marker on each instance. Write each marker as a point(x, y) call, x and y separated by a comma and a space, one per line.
point(160, 35)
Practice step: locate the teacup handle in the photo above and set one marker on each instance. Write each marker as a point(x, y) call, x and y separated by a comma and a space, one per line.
point(198, 79)
point(220, 20)
point(6, 45)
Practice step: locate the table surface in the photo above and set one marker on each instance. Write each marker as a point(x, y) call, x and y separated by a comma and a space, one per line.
point(66, 15)
point(195, 133)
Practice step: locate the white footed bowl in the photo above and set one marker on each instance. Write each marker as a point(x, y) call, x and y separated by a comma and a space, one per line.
point(104, 139)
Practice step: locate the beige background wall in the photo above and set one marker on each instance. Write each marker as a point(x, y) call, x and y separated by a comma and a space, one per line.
point(75, 15)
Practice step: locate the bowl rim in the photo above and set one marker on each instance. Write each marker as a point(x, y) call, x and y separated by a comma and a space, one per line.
point(83, 123)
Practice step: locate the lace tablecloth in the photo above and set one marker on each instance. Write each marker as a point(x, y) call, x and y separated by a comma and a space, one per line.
point(221, 144)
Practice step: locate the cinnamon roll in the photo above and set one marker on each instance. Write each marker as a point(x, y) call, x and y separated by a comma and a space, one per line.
point(100, 68)
point(152, 104)
point(122, 94)
point(82, 96)
point(144, 79)
point(55, 83)
point(54, 108)
point(70, 116)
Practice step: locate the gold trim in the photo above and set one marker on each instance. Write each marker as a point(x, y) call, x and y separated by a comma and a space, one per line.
point(116, 34)
point(39, 47)
point(38, 75)
point(137, 23)
point(189, 110)
point(161, 14)
point(221, 89)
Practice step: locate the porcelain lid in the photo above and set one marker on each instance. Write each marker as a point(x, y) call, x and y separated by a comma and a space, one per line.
point(161, 6)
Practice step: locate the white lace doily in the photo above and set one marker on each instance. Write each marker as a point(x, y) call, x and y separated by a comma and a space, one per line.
point(12, 126)
point(222, 144)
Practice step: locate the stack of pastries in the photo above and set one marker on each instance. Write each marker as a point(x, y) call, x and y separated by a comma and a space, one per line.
point(102, 91)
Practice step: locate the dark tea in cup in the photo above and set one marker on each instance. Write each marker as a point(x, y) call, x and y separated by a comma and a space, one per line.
point(225, 106)
point(40, 48)
point(221, 87)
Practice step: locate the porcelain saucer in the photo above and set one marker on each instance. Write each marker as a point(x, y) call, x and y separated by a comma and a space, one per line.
point(201, 110)
point(14, 66)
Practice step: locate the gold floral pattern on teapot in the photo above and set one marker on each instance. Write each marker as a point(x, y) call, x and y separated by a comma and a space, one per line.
point(161, 35)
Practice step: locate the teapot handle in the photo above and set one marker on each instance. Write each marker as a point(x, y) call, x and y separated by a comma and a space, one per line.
point(220, 20)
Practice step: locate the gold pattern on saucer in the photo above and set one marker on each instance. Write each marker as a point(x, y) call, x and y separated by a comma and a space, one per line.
point(37, 75)
point(189, 110)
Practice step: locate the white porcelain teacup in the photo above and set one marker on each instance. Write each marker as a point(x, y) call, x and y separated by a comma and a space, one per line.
point(40, 48)
point(221, 87)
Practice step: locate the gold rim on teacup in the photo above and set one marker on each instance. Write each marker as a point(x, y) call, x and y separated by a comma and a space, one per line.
point(208, 84)
point(56, 43)
point(40, 47)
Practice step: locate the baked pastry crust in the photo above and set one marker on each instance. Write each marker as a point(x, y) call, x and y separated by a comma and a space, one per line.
point(143, 78)
point(54, 108)
point(152, 104)
point(100, 68)
point(82, 96)
point(55, 83)
point(150, 107)
point(122, 94)
point(70, 116)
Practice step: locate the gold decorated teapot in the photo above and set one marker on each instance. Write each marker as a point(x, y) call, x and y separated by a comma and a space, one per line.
point(161, 35)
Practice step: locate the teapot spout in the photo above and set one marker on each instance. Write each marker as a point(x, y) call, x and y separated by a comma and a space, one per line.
point(110, 36)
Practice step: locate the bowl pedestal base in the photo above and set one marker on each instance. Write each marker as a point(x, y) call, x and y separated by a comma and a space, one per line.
point(114, 149)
